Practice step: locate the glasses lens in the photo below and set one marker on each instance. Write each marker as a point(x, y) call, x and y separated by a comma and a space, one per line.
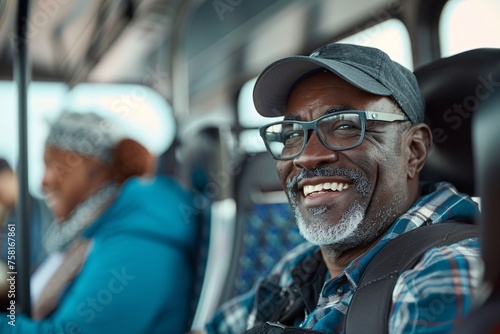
point(340, 131)
point(284, 139)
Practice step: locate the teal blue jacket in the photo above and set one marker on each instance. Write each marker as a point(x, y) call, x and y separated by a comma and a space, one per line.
point(138, 276)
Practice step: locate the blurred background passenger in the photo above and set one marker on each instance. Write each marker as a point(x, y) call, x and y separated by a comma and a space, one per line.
point(40, 215)
point(122, 243)
point(8, 190)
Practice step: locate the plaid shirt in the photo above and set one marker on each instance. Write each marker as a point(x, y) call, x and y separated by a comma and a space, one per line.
point(429, 298)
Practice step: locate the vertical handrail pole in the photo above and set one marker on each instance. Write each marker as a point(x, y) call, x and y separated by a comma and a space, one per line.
point(22, 76)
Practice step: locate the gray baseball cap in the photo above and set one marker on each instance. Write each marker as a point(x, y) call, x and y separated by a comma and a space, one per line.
point(367, 68)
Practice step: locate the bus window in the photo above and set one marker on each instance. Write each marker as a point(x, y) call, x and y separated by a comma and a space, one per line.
point(249, 120)
point(469, 24)
point(45, 101)
point(390, 36)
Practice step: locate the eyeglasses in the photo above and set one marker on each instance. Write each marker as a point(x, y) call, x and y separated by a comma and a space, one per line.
point(337, 131)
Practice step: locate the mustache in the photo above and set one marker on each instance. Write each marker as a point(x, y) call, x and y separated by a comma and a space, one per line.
point(360, 181)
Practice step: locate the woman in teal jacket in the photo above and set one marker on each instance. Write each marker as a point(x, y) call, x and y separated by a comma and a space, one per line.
point(123, 246)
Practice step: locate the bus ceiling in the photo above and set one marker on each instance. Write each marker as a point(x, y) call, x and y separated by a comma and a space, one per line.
point(196, 44)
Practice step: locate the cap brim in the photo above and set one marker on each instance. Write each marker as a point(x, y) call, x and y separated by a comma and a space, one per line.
point(275, 82)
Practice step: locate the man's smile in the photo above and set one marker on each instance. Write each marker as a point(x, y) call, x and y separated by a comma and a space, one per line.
point(323, 184)
point(322, 192)
point(324, 187)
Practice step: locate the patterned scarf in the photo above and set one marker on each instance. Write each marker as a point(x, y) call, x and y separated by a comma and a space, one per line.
point(60, 234)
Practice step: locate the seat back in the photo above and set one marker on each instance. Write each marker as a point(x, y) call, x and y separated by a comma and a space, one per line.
point(453, 89)
point(204, 159)
point(486, 138)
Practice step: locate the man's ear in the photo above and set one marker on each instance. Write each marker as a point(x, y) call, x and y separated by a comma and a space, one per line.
point(418, 141)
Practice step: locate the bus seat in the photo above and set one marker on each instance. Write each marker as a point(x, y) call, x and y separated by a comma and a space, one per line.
point(453, 88)
point(266, 228)
point(486, 137)
point(204, 157)
point(269, 233)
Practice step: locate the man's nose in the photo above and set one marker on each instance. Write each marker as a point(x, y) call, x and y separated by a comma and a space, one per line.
point(315, 154)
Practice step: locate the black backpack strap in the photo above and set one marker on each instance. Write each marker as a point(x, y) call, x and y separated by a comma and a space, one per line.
point(278, 328)
point(371, 302)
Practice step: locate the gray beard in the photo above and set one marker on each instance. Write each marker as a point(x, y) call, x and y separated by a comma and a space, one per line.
point(322, 233)
point(350, 231)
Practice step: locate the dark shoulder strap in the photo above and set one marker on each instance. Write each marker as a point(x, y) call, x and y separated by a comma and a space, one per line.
point(278, 328)
point(370, 305)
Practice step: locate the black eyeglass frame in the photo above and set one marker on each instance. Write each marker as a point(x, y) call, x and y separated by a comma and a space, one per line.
point(364, 116)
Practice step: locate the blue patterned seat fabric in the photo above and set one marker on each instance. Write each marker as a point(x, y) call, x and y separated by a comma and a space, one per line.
point(269, 233)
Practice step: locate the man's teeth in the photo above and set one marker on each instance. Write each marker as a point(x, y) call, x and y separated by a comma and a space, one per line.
point(334, 186)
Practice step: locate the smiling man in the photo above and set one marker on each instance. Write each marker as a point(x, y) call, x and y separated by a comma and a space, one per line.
point(349, 152)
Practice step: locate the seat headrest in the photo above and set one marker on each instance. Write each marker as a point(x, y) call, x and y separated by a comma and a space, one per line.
point(453, 89)
point(205, 161)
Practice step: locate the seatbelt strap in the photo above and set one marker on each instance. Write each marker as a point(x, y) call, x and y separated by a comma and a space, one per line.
point(277, 328)
point(371, 302)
